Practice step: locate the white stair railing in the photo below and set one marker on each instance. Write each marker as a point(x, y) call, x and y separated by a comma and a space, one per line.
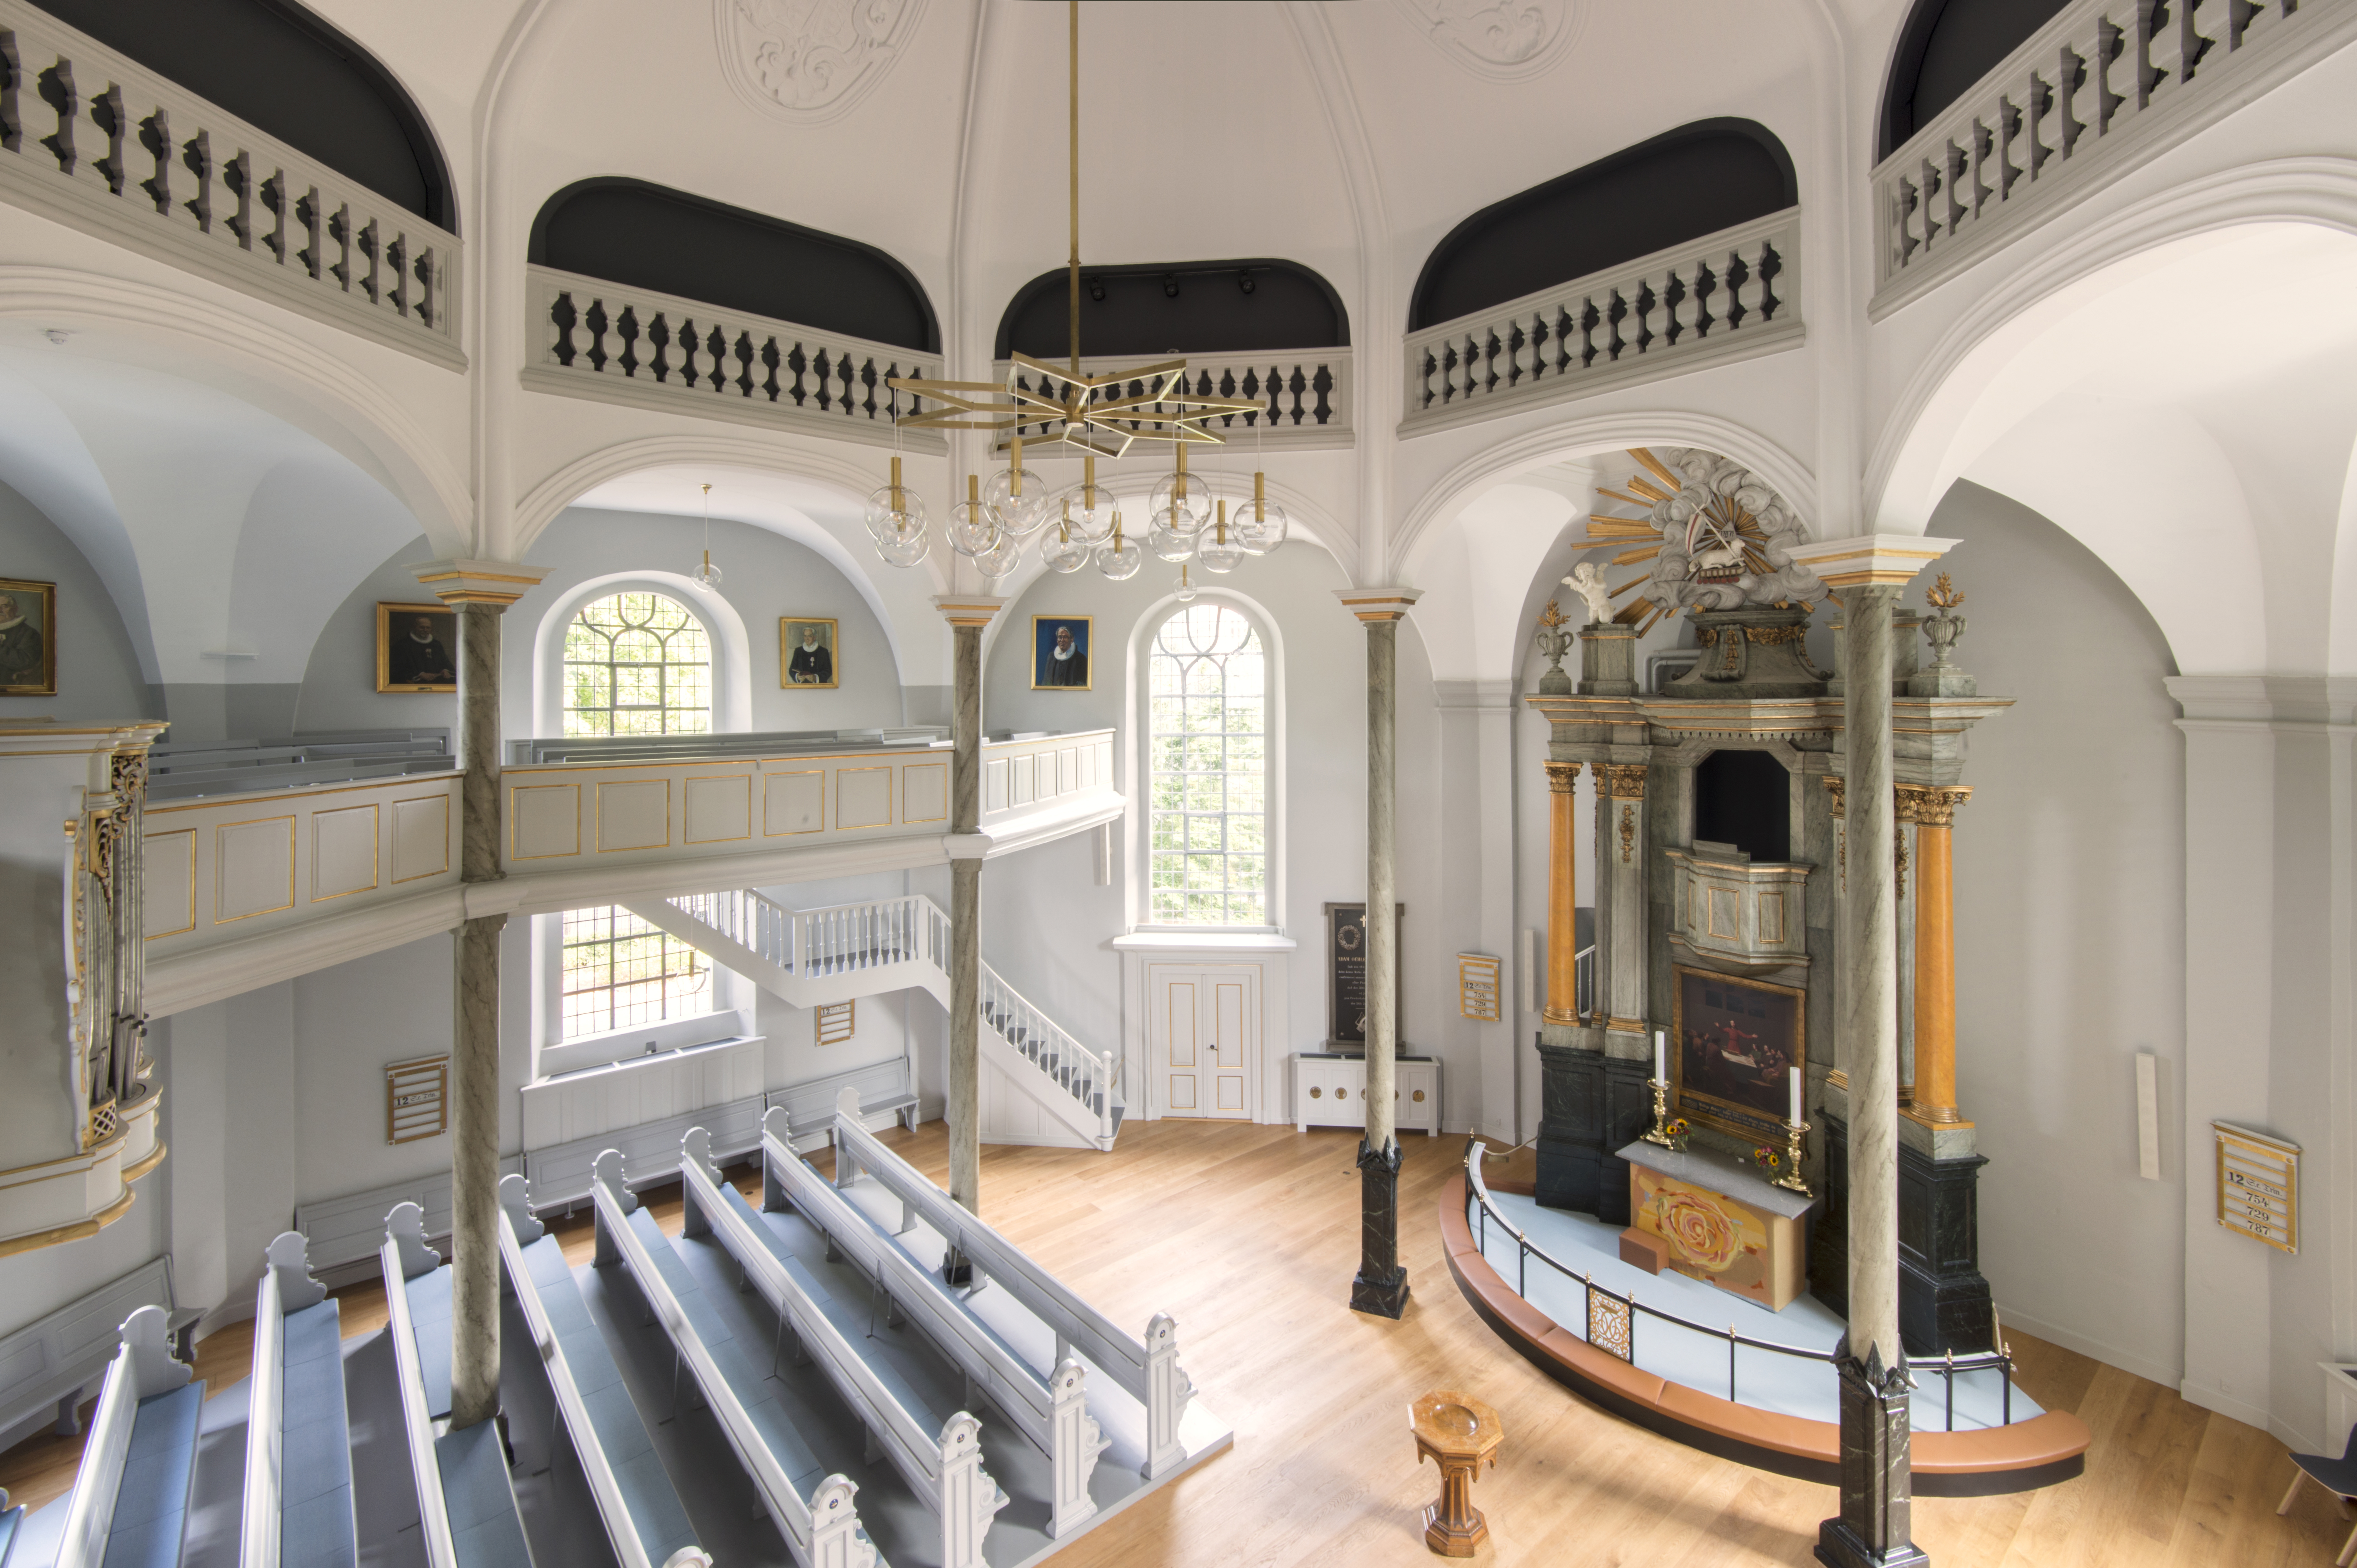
point(1086, 1075)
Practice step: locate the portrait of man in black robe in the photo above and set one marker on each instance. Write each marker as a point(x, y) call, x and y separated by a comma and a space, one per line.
point(417, 647)
point(1060, 656)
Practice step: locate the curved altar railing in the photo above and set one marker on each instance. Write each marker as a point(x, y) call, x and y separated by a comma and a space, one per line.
point(1610, 1318)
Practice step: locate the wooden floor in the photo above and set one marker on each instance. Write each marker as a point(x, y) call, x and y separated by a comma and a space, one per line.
point(1248, 1236)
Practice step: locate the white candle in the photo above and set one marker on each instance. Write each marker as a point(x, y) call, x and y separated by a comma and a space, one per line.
point(1660, 1056)
point(1795, 1117)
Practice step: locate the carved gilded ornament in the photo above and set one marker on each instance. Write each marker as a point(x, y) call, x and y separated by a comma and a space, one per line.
point(1627, 779)
point(108, 1021)
point(1562, 776)
point(1628, 832)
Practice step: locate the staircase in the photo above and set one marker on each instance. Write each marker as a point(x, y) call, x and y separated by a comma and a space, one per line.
point(814, 957)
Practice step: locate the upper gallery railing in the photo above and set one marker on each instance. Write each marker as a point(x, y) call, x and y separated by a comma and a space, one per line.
point(1725, 295)
point(1304, 393)
point(2103, 86)
point(92, 139)
point(608, 341)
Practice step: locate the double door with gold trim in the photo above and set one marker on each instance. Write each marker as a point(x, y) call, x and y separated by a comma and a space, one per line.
point(1203, 1035)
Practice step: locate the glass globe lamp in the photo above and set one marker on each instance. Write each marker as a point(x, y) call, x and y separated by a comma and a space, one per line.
point(1185, 497)
point(1186, 589)
point(905, 545)
point(1119, 558)
point(707, 574)
point(972, 527)
point(1260, 524)
point(1087, 509)
point(1016, 498)
point(1001, 558)
point(894, 506)
point(1217, 547)
point(1060, 550)
point(1167, 542)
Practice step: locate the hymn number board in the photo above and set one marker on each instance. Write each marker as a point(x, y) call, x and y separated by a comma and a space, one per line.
point(2259, 1185)
point(416, 1099)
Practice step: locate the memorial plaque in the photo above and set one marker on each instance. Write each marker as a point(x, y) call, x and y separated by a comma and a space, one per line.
point(1346, 977)
point(2259, 1185)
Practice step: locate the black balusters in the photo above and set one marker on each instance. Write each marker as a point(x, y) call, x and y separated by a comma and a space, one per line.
point(1589, 319)
point(1424, 373)
point(1908, 204)
point(106, 110)
point(12, 77)
point(2041, 104)
point(2111, 42)
point(1298, 384)
point(2008, 126)
point(340, 230)
point(1771, 263)
point(797, 361)
point(1322, 384)
point(369, 248)
point(307, 214)
point(2073, 75)
point(1538, 345)
point(867, 382)
point(1984, 143)
point(769, 359)
point(562, 316)
point(659, 334)
point(715, 345)
point(1952, 180)
point(155, 138)
point(2192, 44)
point(238, 176)
point(819, 368)
point(743, 364)
point(596, 320)
point(427, 273)
point(1614, 314)
point(1646, 300)
point(626, 328)
point(1705, 284)
point(1673, 294)
point(1515, 342)
point(57, 89)
point(1739, 273)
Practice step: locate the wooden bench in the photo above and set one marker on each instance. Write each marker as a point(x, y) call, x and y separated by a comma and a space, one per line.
point(641, 1512)
point(885, 1088)
point(298, 1453)
point(466, 1500)
point(816, 1516)
point(1049, 1407)
point(1146, 1370)
point(138, 1465)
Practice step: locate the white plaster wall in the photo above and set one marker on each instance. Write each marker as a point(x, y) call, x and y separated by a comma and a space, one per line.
point(2069, 879)
point(98, 669)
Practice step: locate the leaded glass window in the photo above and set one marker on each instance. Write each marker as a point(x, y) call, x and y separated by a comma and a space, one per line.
point(621, 972)
point(1207, 856)
point(637, 664)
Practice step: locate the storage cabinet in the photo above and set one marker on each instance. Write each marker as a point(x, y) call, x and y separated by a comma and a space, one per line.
point(1329, 1089)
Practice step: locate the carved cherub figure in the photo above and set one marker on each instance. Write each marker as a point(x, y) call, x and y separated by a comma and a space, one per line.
point(1589, 584)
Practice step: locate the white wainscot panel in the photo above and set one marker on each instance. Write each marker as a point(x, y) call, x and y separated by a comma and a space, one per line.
point(793, 802)
point(421, 837)
point(719, 809)
point(925, 792)
point(863, 796)
point(637, 1089)
point(634, 814)
point(253, 867)
point(994, 784)
point(546, 820)
point(170, 899)
point(343, 852)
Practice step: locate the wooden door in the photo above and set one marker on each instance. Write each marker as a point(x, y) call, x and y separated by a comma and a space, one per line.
point(1205, 1030)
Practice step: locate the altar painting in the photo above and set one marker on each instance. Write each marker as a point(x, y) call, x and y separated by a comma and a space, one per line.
point(1711, 1237)
point(1735, 1044)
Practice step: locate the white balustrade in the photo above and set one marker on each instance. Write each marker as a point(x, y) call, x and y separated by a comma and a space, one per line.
point(2103, 86)
point(95, 140)
point(611, 341)
point(1305, 393)
point(1725, 295)
point(1089, 1077)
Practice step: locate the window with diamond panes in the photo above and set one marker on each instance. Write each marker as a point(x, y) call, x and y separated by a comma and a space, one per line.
point(1208, 746)
point(621, 972)
point(637, 664)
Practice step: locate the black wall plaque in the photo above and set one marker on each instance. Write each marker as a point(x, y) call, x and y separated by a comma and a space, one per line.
point(1346, 978)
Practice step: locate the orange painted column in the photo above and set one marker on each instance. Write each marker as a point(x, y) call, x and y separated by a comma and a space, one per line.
point(1562, 899)
point(1935, 955)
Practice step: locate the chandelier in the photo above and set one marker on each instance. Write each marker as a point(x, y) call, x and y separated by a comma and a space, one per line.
point(1102, 415)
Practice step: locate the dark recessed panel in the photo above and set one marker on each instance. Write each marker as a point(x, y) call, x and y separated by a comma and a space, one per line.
point(1682, 184)
point(1176, 308)
point(1745, 799)
point(274, 63)
point(1945, 47)
point(652, 237)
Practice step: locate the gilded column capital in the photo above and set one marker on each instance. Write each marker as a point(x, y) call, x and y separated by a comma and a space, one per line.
point(1627, 779)
point(1834, 785)
point(1907, 803)
point(495, 583)
point(1562, 776)
point(1936, 804)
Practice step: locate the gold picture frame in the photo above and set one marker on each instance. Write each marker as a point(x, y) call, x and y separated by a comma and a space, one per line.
point(828, 660)
point(1050, 673)
point(440, 655)
point(1738, 1082)
point(28, 642)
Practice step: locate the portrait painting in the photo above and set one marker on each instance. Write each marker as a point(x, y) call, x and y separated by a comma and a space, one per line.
point(1734, 1045)
point(29, 641)
point(416, 648)
point(808, 658)
point(1059, 653)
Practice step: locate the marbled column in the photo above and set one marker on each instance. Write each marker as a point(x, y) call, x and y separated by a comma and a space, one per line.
point(1935, 953)
point(475, 1045)
point(1874, 1527)
point(1563, 898)
point(1870, 975)
point(964, 1109)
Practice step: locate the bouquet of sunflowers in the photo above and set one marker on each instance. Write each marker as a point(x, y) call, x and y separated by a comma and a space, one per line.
point(1771, 1161)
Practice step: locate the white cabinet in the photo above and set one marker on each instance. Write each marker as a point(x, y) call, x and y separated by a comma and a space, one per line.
point(1329, 1089)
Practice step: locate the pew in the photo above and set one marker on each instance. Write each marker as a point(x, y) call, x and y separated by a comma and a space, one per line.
point(1048, 1408)
point(635, 1501)
point(139, 1462)
point(466, 1499)
point(1146, 1370)
point(299, 1455)
point(944, 1471)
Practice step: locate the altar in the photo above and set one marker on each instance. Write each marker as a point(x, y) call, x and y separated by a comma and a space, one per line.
point(1716, 1219)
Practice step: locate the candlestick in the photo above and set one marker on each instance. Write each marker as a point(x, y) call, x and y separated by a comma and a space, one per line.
point(1795, 1116)
point(1661, 1055)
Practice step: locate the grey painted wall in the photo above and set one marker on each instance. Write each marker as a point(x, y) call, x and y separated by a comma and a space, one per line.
point(98, 670)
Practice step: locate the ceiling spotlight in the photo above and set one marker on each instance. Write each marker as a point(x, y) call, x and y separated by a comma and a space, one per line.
point(56, 334)
point(1169, 285)
point(1245, 282)
point(1096, 290)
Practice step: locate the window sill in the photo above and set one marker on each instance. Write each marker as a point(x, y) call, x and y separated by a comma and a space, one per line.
point(1204, 940)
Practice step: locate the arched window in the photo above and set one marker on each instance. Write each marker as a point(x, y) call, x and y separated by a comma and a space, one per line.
point(621, 972)
point(1208, 750)
point(637, 663)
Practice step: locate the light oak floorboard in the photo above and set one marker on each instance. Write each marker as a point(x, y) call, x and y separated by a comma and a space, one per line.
point(1248, 1236)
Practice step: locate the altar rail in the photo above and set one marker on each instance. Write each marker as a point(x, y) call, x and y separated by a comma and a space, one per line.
point(1305, 395)
point(96, 141)
point(590, 338)
point(1724, 296)
point(2100, 89)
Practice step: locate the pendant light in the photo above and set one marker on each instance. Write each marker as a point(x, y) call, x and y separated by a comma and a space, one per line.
point(1118, 557)
point(1181, 502)
point(707, 574)
point(1219, 549)
point(1187, 590)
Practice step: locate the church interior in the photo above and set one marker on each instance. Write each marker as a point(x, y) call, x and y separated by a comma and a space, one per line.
point(753, 812)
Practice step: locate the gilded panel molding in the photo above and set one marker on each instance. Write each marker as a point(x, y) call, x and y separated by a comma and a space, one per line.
point(1627, 779)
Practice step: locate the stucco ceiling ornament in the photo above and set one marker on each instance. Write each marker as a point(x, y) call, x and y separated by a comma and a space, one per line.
point(1717, 536)
point(1498, 41)
point(811, 61)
